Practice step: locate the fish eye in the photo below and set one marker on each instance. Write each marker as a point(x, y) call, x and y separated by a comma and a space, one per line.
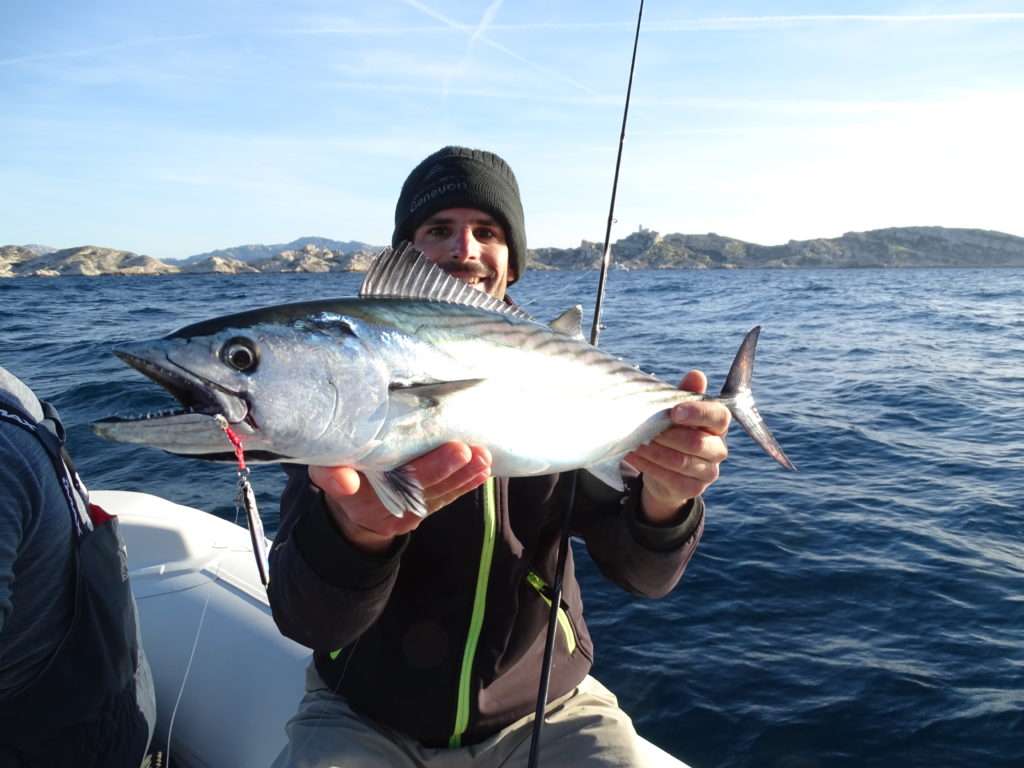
point(240, 354)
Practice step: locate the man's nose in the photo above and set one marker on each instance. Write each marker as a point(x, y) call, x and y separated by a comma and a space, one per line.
point(465, 246)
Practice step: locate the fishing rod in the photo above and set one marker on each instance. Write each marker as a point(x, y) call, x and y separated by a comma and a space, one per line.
point(606, 257)
point(595, 332)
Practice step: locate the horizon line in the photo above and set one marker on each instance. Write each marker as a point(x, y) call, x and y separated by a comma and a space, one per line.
point(534, 248)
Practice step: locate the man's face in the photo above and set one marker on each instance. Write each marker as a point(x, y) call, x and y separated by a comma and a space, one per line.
point(468, 244)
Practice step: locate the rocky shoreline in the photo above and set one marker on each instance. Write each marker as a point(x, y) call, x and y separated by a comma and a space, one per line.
point(644, 249)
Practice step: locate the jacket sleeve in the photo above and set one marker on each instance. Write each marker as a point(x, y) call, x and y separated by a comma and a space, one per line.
point(14, 506)
point(642, 558)
point(324, 592)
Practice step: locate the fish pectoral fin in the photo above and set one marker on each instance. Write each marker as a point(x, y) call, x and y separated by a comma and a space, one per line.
point(609, 472)
point(430, 393)
point(399, 490)
point(570, 323)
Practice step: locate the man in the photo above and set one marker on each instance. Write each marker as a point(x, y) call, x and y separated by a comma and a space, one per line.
point(75, 687)
point(429, 632)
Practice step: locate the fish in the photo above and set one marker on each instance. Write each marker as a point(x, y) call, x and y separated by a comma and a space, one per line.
point(417, 359)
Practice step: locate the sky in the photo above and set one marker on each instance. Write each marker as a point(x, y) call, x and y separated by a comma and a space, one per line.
point(171, 129)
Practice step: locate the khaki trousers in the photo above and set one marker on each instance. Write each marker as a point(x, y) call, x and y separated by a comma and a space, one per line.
point(584, 727)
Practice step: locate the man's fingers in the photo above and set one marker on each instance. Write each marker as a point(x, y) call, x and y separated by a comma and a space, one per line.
point(471, 483)
point(478, 465)
point(695, 381)
point(669, 484)
point(444, 473)
point(706, 415)
point(671, 460)
point(441, 463)
point(335, 481)
point(681, 462)
point(690, 442)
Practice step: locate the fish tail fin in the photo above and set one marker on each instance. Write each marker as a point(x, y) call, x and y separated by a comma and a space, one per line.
point(737, 396)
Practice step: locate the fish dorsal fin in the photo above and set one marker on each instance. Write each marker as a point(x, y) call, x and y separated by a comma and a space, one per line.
point(405, 273)
point(570, 323)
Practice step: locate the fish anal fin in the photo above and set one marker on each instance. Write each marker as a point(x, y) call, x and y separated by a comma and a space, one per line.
point(399, 490)
point(609, 472)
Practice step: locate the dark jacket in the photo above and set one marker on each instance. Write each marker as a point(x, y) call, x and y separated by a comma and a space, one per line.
point(91, 704)
point(390, 631)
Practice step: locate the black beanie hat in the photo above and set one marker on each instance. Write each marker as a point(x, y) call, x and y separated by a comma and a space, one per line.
point(458, 177)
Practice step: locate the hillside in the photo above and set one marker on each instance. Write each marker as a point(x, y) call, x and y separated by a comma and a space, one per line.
point(90, 260)
point(895, 247)
point(257, 252)
point(644, 249)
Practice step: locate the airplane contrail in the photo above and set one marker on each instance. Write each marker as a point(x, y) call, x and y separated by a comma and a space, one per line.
point(123, 45)
point(438, 16)
point(485, 22)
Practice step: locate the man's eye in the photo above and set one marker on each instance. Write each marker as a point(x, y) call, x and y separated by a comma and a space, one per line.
point(484, 234)
point(439, 232)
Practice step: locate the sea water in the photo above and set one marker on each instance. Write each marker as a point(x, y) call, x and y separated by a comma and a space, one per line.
point(868, 610)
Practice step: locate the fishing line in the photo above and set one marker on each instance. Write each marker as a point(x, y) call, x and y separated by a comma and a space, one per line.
point(595, 332)
point(188, 668)
point(245, 499)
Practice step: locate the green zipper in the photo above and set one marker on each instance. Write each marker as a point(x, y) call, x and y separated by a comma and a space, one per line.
point(544, 591)
point(477, 620)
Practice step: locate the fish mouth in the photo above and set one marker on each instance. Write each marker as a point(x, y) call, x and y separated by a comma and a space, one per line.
point(196, 394)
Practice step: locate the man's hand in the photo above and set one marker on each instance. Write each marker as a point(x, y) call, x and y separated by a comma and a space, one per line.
point(446, 473)
point(681, 462)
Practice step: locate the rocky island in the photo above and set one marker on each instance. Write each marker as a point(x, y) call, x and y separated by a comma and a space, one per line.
point(643, 249)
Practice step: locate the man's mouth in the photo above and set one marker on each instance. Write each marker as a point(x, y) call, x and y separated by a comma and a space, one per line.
point(479, 279)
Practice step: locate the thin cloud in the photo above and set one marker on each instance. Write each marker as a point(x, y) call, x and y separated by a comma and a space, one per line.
point(99, 49)
point(506, 94)
point(317, 26)
point(437, 16)
point(402, 65)
point(726, 23)
point(785, 106)
point(485, 22)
